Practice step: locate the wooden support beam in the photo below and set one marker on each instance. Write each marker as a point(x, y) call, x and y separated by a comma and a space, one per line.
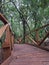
point(12, 41)
point(3, 19)
point(2, 30)
point(44, 38)
point(34, 42)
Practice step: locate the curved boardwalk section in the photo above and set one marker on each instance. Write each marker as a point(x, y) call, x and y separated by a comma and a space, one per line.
point(24, 54)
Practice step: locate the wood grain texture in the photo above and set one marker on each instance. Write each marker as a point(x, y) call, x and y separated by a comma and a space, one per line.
point(24, 54)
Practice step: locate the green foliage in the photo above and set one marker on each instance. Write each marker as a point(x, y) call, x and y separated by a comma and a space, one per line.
point(36, 13)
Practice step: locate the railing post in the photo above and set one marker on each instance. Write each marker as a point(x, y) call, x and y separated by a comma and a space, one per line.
point(37, 37)
point(12, 41)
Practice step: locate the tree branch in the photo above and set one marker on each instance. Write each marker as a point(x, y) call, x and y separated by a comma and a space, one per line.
point(22, 16)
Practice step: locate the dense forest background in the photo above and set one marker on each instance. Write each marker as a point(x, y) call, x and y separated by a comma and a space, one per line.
point(34, 13)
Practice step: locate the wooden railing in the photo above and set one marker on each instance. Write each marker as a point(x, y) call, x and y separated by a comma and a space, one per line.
point(8, 42)
point(37, 40)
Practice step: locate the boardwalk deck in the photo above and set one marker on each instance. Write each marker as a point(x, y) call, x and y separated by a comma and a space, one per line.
point(24, 54)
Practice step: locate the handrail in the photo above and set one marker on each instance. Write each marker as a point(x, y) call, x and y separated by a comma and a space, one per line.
point(38, 29)
point(3, 19)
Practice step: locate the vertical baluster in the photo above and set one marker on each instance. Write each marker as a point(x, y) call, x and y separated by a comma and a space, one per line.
point(37, 37)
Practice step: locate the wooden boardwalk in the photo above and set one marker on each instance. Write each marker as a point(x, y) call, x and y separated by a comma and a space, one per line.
point(24, 54)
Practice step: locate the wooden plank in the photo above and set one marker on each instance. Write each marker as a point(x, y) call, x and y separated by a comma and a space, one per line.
point(40, 47)
point(29, 55)
point(7, 61)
